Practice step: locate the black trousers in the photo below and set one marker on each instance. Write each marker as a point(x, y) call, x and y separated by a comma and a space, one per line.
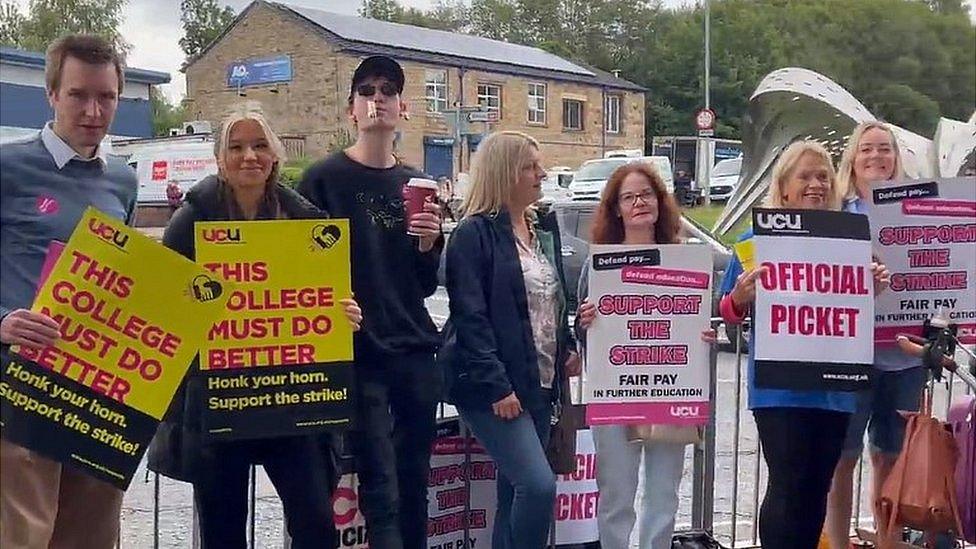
point(396, 405)
point(301, 470)
point(801, 447)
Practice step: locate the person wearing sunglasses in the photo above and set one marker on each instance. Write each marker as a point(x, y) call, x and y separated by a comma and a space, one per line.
point(397, 384)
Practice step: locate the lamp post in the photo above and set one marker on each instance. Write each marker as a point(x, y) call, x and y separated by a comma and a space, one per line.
point(703, 164)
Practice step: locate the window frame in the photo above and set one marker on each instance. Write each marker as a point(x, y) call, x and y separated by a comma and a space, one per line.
point(433, 103)
point(487, 97)
point(618, 118)
point(533, 89)
point(567, 102)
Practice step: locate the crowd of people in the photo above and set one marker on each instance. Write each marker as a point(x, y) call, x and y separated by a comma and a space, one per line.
point(502, 359)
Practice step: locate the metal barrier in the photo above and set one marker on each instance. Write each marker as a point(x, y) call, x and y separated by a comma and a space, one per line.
point(743, 457)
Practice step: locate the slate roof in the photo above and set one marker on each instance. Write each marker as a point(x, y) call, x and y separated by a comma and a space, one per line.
point(363, 36)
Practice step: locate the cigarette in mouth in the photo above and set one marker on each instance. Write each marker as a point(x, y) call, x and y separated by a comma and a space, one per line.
point(371, 109)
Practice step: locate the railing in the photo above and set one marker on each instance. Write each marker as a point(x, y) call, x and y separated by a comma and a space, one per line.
point(721, 493)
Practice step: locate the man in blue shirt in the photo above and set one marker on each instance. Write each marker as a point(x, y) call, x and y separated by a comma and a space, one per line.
point(46, 183)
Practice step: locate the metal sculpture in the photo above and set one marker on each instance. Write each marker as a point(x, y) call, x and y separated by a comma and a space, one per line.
point(793, 104)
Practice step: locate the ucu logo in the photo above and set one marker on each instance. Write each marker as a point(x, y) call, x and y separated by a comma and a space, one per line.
point(108, 233)
point(220, 236)
point(769, 220)
point(685, 411)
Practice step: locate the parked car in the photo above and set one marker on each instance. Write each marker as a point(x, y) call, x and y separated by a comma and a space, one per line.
point(725, 177)
point(589, 180)
point(553, 190)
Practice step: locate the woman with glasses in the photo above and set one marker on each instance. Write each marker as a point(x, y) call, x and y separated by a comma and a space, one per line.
point(635, 208)
point(513, 343)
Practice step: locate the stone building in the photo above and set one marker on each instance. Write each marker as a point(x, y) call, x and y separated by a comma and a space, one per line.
point(298, 62)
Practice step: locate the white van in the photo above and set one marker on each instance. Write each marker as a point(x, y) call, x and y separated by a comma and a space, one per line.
point(180, 163)
point(592, 176)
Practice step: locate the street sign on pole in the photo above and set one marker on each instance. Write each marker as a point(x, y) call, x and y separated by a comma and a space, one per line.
point(483, 116)
point(705, 122)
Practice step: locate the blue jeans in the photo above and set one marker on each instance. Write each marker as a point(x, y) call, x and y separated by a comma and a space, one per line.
point(618, 462)
point(526, 484)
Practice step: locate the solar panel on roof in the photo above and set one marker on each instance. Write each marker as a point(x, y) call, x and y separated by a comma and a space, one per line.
point(372, 31)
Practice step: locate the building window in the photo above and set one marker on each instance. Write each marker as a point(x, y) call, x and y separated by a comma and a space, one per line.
point(612, 112)
point(572, 114)
point(537, 103)
point(490, 97)
point(436, 85)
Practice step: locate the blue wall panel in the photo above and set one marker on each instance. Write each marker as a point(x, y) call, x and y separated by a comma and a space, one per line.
point(27, 107)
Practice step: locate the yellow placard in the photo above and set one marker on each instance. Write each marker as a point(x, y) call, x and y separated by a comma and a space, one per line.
point(289, 277)
point(746, 252)
point(132, 313)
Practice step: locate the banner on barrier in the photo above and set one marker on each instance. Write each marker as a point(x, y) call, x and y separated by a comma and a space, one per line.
point(814, 308)
point(645, 359)
point(925, 233)
point(131, 320)
point(461, 469)
point(279, 362)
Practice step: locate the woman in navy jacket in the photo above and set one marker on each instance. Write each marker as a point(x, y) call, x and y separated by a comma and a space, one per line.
point(513, 343)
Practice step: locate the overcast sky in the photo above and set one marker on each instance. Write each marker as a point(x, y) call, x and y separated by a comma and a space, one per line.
point(154, 31)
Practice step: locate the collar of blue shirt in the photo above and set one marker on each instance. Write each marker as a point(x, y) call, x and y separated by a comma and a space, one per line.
point(63, 153)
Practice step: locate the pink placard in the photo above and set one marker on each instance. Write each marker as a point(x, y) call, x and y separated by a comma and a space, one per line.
point(658, 276)
point(948, 208)
point(54, 250)
point(638, 413)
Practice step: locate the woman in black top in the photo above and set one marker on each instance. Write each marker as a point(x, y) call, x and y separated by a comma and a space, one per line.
point(300, 467)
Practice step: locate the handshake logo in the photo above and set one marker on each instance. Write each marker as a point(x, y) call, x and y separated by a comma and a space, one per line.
point(325, 236)
point(206, 289)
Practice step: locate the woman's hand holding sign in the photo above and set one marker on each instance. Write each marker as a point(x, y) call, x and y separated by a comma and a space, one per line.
point(27, 328)
point(882, 277)
point(744, 292)
point(586, 314)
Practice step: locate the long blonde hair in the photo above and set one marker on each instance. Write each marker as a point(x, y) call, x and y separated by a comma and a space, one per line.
point(248, 110)
point(495, 169)
point(846, 178)
point(787, 162)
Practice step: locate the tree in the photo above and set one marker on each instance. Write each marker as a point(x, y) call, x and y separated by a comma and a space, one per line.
point(165, 114)
point(48, 20)
point(908, 61)
point(203, 21)
point(383, 10)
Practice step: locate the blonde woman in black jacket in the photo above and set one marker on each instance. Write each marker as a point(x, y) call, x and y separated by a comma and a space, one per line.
point(300, 467)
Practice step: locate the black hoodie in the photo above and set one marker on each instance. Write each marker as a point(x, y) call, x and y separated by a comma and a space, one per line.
point(208, 201)
point(177, 448)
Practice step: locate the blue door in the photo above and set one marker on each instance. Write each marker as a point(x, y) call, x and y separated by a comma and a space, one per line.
point(438, 156)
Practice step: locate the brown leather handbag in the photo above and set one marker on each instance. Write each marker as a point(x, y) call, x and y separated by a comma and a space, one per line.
point(920, 491)
point(561, 448)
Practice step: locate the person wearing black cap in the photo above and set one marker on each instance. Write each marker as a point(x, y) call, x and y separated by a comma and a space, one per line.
point(397, 384)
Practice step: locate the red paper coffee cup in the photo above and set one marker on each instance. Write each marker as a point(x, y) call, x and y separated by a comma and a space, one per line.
point(416, 192)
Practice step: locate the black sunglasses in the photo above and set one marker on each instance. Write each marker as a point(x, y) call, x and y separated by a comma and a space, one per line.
point(388, 89)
